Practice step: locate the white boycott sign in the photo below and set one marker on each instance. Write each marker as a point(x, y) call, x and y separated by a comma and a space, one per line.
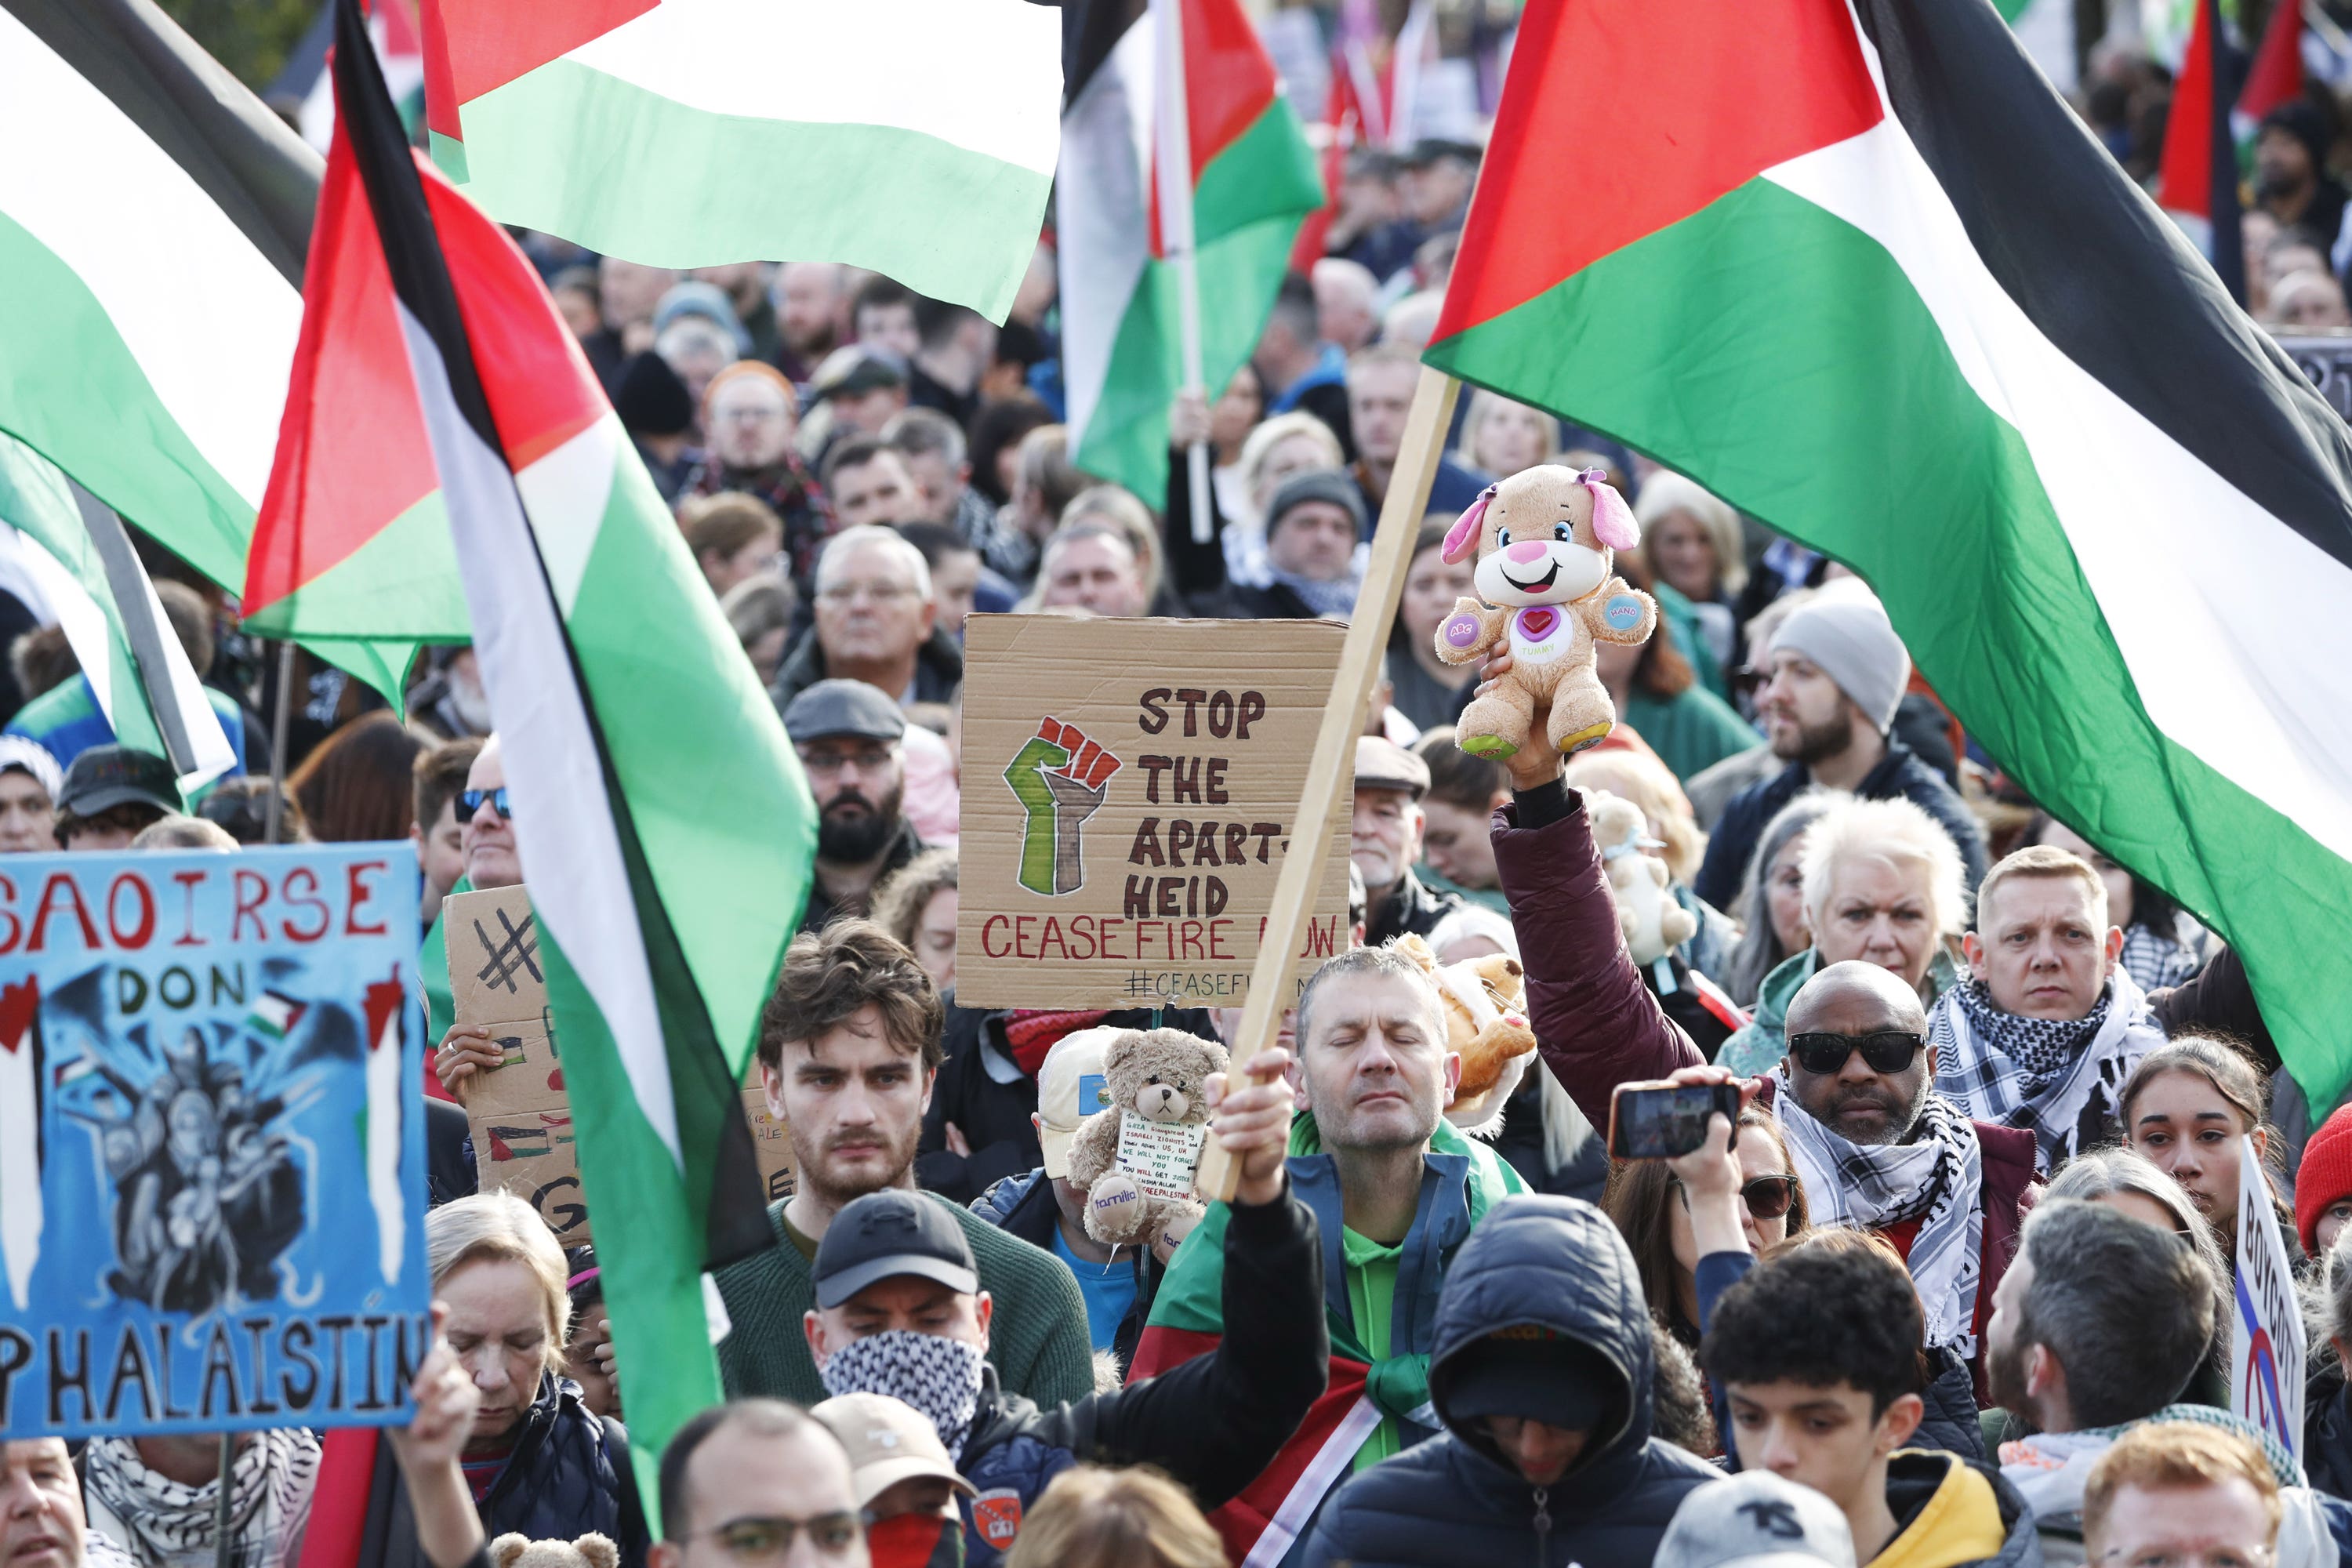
point(2266, 1348)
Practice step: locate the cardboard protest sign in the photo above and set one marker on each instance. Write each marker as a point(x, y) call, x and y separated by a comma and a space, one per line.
point(520, 1115)
point(1128, 792)
point(1160, 1155)
point(2267, 1346)
point(212, 1140)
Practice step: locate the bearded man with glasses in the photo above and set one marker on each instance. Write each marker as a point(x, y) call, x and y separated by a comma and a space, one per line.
point(1878, 1149)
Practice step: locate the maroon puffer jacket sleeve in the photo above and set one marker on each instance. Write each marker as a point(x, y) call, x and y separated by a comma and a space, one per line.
point(1596, 1023)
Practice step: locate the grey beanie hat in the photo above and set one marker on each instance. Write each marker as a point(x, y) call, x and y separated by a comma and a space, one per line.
point(1846, 632)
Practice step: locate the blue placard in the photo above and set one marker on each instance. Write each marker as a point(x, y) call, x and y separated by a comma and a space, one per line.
point(212, 1141)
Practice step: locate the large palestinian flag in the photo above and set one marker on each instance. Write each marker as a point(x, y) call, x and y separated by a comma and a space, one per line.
point(661, 815)
point(914, 137)
point(1253, 182)
point(152, 224)
point(1855, 269)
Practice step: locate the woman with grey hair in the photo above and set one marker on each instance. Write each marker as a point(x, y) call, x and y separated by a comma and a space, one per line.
point(2133, 1186)
point(1770, 908)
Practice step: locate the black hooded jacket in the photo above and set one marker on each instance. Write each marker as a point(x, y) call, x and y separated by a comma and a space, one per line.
point(1560, 1264)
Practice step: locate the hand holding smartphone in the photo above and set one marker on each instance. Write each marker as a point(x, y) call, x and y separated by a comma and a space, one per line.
point(1664, 1123)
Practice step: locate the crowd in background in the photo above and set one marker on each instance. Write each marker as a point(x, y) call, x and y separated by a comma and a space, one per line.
point(1955, 1286)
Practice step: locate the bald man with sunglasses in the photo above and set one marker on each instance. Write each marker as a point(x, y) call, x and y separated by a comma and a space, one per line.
point(1879, 1148)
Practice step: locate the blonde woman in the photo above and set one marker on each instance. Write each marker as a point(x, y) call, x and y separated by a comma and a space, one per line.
point(1500, 438)
point(1691, 542)
point(1095, 1518)
point(537, 1461)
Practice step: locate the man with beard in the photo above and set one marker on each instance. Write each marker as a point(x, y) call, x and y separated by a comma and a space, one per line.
point(849, 1047)
point(1837, 675)
point(2291, 179)
point(877, 621)
point(2097, 1330)
point(848, 736)
point(750, 415)
point(2048, 1026)
point(1877, 1149)
point(808, 296)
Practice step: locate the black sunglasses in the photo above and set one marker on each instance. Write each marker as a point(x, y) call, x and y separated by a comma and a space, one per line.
point(1888, 1050)
point(472, 800)
point(1767, 1197)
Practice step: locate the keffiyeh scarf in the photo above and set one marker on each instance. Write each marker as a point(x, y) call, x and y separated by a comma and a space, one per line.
point(2039, 1074)
point(1937, 1179)
point(164, 1524)
point(937, 1375)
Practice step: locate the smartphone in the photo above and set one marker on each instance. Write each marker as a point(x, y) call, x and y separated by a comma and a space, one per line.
point(1661, 1124)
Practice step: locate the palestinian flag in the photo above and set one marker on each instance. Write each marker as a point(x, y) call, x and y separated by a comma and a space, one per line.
point(151, 257)
point(2197, 178)
point(1831, 265)
point(914, 137)
point(2275, 74)
point(1255, 180)
point(661, 812)
point(102, 600)
point(22, 1095)
point(1354, 1423)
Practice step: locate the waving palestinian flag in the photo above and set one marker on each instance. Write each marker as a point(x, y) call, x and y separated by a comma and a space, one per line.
point(914, 137)
point(1858, 270)
point(1254, 183)
point(661, 814)
point(152, 221)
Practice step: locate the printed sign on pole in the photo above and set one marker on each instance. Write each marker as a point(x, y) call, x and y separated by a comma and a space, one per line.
point(212, 1140)
point(2266, 1349)
point(1128, 787)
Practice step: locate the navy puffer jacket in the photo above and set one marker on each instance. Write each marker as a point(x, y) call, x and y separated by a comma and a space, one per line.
point(1560, 1264)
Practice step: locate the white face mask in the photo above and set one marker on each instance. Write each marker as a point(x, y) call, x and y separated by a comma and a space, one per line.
point(935, 1375)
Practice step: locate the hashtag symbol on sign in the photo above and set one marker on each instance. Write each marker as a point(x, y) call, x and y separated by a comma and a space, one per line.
point(517, 954)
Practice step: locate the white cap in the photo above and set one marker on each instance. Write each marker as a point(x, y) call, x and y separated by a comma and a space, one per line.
point(1755, 1520)
point(1070, 1086)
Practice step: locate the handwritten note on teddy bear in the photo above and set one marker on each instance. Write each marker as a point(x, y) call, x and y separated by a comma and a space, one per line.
point(1160, 1155)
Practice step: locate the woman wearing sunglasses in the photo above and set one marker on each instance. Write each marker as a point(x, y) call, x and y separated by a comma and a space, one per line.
point(1656, 1209)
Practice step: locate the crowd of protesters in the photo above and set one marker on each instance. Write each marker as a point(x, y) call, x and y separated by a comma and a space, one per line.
point(1954, 1286)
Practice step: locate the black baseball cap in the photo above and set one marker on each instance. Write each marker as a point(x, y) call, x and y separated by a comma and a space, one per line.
point(884, 1235)
point(104, 777)
point(841, 707)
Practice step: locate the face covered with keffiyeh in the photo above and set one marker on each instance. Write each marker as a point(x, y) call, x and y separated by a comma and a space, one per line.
point(1856, 1100)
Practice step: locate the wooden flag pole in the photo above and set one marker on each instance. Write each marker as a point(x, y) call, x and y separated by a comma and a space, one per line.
point(1333, 766)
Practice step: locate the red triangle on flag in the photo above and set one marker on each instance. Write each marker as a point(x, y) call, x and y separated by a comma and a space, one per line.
point(2276, 76)
point(474, 46)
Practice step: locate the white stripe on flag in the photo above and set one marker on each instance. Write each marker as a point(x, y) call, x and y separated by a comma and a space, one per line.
point(571, 853)
point(218, 342)
point(1104, 232)
point(2211, 600)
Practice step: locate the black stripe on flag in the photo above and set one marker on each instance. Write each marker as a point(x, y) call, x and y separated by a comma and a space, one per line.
point(1090, 30)
point(2101, 272)
point(735, 1220)
point(240, 155)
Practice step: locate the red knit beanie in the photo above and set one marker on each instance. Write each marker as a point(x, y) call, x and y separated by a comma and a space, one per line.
point(2325, 1177)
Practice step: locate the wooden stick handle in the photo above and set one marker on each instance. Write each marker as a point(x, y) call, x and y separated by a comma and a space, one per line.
point(1333, 769)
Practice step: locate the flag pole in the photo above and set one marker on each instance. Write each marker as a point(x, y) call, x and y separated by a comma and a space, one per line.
point(278, 723)
point(1173, 163)
point(1332, 769)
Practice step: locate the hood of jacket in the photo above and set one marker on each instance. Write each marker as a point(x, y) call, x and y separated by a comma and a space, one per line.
point(1557, 1264)
point(1954, 1512)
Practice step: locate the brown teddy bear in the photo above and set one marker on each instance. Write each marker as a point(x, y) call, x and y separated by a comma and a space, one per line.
point(1485, 1025)
point(1545, 540)
point(1653, 923)
point(590, 1551)
point(1134, 1158)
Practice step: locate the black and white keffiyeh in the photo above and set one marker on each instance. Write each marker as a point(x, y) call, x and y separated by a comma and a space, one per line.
point(2040, 1074)
point(1937, 1179)
point(164, 1524)
point(938, 1376)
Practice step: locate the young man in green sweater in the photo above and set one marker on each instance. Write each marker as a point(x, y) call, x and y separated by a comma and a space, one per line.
point(848, 1048)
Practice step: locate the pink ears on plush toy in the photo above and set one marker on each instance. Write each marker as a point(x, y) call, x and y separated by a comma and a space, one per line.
point(1612, 519)
point(1463, 537)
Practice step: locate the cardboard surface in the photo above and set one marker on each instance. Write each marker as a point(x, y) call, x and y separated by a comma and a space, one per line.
point(1128, 787)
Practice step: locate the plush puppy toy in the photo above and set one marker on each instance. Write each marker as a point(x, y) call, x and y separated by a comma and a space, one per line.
point(1545, 540)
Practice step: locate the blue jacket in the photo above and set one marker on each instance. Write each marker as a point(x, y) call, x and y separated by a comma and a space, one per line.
point(1557, 1264)
point(1898, 774)
point(1025, 1206)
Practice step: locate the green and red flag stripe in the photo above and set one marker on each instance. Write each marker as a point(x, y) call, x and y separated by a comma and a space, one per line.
point(1831, 264)
point(660, 813)
point(1253, 182)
